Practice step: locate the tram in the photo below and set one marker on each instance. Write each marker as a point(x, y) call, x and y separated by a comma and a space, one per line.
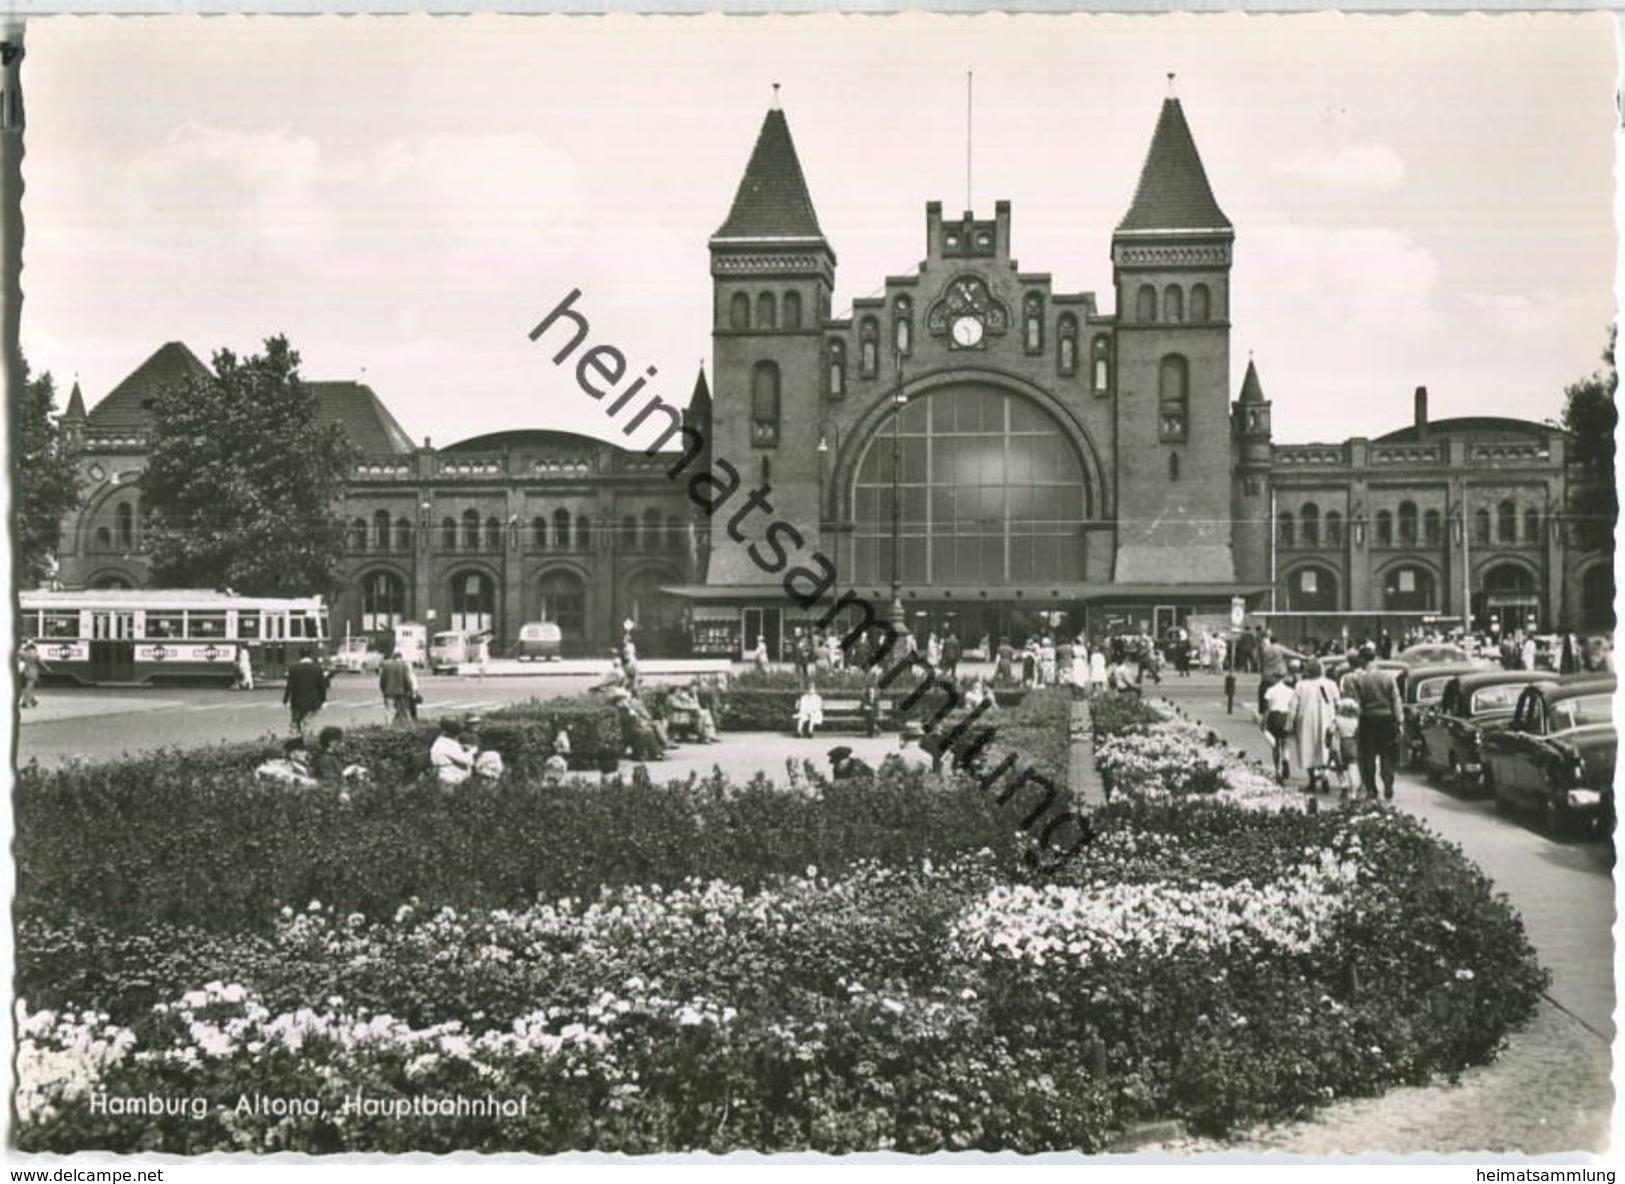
point(133, 636)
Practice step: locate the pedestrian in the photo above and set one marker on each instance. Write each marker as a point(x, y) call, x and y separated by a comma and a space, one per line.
point(1273, 664)
point(1004, 668)
point(952, 652)
point(399, 685)
point(844, 766)
point(1080, 667)
point(29, 668)
point(758, 656)
point(1046, 661)
point(1097, 667)
point(1280, 707)
point(244, 666)
point(305, 691)
point(1316, 706)
point(1528, 653)
point(1347, 724)
point(1230, 691)
point(1375, 690)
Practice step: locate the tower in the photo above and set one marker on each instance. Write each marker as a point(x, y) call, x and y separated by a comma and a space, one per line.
point(1250, 428)
point(1171, 268)
point(772, 272)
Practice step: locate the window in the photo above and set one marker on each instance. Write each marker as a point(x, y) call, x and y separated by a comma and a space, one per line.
point(1173, 304)
point(124, 520)
point(1411, 589)
point(1102, 363)
point(1173, 403)
point(764, 405)
point(1334, 529)
point(990, 490)
point(383, 601)
point(652, 527)
point(1311, 524)
point(1531, 526)
point(493, 534)
point(629, 533)
point(1385, 529)
point(1066, 347)
point(380, 529)
point(583, 532)
point(766, 311)
point(792, 310)
point(1506, 522)
point(739, 311)
point(1201, 303)
point(358, 534)
point(902, 325)
point(471, 530)
point(561, 529)
point(869, 347)
point(166, 625)
point(1145, 304)
point(448, 533)
point(1481, 525)
point(1407, 524)
point(1286, 529)
point(1032, 323)
point(538, 532)
point(837, 370)
point(403, 535)
point(1433, 528)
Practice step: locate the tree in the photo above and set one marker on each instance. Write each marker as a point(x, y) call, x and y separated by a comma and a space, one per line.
point(1590, 416)
point(244, 480)
point(46, 483)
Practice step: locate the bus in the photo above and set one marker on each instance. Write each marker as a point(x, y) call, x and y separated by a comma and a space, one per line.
point(134, 636)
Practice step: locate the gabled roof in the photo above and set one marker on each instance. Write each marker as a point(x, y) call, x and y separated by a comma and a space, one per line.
point(1173, 193)
point(1251, 390)
point(772, 201)
point(362, 415)
point(127, 405)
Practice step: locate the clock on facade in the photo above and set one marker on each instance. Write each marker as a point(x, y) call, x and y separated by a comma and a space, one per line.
point(967, 331)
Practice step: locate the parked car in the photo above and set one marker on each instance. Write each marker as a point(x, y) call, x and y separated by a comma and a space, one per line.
point(355, 655)
point(1471, 706)
point(539, 640)
point(450, 649)
point(1433, 653)
point(1419, 690)
point(1557, 755)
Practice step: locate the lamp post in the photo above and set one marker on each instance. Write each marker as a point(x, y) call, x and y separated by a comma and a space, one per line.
point(899, 617)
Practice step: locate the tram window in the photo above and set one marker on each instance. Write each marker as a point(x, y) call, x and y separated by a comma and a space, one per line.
point(58, 625)
point(166, 624)
point(206, 625)
point(248, 626)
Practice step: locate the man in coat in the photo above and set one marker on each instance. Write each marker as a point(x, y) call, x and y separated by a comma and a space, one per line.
point(399, 687)
point(305, 692)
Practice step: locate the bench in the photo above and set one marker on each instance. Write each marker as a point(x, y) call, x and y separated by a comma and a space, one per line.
point(850, 715)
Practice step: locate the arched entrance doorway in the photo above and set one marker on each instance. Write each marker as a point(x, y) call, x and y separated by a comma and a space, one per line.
point(562, 599)
point(1312, 589)
point(1509, 599)
point(659, 617)
point(1410, 588)
point(473, 603)
point(383, 601)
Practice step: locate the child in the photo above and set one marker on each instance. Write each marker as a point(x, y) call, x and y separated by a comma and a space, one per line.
point(1346, 723)
point(1229, 692)
point(1279, 701)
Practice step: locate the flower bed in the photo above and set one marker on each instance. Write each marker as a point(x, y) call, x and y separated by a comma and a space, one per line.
point(657, 968)
point(765, 701)
point(1144, 753)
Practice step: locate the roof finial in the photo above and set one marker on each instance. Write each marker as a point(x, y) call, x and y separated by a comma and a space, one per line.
point(775, 96)
point(1171, 92)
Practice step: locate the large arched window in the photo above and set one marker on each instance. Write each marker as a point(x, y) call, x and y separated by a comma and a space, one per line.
point(764, 405)
point(1506, 522)
point(767, 316)
point(403, 534)
point(629, 533)
point(583, 532)
point(739, 311)
point(448, 534)
point(124, 524)
point(493, 534)
point(383, 601)
point(1145, 304)
point(538, 532)
point(1481, 525)
point(381, 529)
point(562, 599)
point(1286, 529)
point(1173, 400)
point(561, 529)
point(1311, 524)
point(1201, 303)
point(1531, 526)
point(1408, 588)
point(1173, 303)
point(1334, 529)
point(1407, 524)
point(1312, 590)
point(473, 602)
point(1432, 528)
point(991, 491)
point(792, 310)
point(1385, 528)
point(471, 530)
point(358, 535)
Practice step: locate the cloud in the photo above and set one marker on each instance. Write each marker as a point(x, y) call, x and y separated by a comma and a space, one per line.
point(1367, 280)
point(1365, 166)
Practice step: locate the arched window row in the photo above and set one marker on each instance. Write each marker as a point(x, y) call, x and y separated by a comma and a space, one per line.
point(1170, 306)
point(380, 534)
point(1310, 526)
point(768, 312)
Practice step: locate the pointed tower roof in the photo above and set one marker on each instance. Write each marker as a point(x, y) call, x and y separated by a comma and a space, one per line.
point(1251, 390)
point(1173, 193)
point(772, 201)
point(76, 403)
point(129, 404)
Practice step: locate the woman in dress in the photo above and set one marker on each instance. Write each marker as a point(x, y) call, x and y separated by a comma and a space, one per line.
point(1316, 714)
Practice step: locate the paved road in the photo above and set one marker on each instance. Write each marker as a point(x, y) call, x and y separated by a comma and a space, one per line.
point(1551, 1089)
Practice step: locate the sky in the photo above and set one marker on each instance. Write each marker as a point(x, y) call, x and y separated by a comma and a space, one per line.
point(1418, 201)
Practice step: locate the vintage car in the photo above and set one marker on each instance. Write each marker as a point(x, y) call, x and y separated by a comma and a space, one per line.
point(539, 640)
point(1471, 706)
point(1557, 755)
point(1419, 690)
point(355, 655)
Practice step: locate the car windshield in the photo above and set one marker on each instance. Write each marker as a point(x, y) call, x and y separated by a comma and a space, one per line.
point(1429, 689)
point(1581, 711)
point(1501, 698)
